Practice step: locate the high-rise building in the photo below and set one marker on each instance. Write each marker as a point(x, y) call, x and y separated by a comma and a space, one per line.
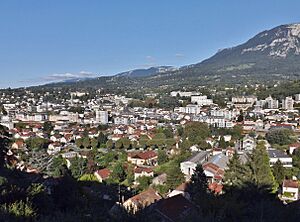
point(271, 103)
point(288, 103)
point(297, 97)
point(101, 117)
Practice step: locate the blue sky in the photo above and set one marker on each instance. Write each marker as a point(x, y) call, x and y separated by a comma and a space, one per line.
point(50, 40)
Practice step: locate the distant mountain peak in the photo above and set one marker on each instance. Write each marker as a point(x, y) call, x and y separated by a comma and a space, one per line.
point(278, 42)
point(147, 71)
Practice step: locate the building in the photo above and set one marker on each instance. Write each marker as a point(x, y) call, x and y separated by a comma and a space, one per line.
point(201, 100)
point(143, 171)
point(142, 200)
point(143, 158)
point(249, 143)
point(102, 175)
point(288, 103)
point(189, 166)
point(271, 103)
point(215, 168)
point(102, 117)
point(297, 98)
point(275, 155)
point(290, 190)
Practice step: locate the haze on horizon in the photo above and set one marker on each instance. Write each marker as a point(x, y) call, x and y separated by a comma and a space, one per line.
point(43, 41)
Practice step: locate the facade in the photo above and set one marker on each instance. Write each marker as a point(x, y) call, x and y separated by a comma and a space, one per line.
point(142, 200)
point(290, 190)
point(188, 167)
point(288, 103)
point(102, 117)
point(201, 100)
point(143, 158)
point(275, 155)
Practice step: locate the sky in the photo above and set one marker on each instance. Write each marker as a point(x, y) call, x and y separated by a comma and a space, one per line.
point(44, 41)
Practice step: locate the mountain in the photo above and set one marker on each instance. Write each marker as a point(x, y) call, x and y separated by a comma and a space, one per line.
point(146, 72)
point(270, 56)
point(268, 49)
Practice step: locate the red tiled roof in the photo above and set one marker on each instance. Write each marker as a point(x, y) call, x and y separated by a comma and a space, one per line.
point(290, 183)
point(215, 187)
point(146, 198)
point(143, 169)
point(104, 173)
point(143, 155)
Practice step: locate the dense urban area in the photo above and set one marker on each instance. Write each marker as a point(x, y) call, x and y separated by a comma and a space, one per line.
point(226, 154)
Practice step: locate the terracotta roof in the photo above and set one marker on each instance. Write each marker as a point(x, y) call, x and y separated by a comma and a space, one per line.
point(143, 155)
point(104, 173)
point(294, 145)
point(290, 183)
point(145, 198)
point(215, 187)
point(143, 169)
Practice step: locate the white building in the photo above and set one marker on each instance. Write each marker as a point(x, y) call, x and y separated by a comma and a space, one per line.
point(275, 155)
point(297, 97)
point(288, 103)
point(188, 167)
point(101, 117)
point(201, 100)
point(290, 190)
point(271, 103)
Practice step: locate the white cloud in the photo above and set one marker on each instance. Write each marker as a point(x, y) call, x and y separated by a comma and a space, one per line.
point(56, 77)
point(179, 55)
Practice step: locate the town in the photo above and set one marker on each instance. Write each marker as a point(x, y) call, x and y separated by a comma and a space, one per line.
point(154, 155)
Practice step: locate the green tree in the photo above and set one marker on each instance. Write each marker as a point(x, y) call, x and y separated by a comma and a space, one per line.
point(258, 164)
point(168, 132)
point(278, 172)
point(119, 144)
point(37, 143)
point(48, 127)
point(174, 177)
point(94, 143)
point(78, 167)
point(222, 143)
point(236, 173)
point(86, 143)
point(196, 132)
point(280, 136)
point(109, 144)
point(198, 187)
point(118, 173)
point(162, 157)
point(102, 139)
point(143, 182)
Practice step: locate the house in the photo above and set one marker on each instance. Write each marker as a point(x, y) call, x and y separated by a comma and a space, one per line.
point(215, 168)
point(174, 209)
point(18, 144)
point(275, 155)
point(54, 148)
point(181, 190)
point(290, 190)
point(102, 174)
point(249, 143)
point(188, 166)
point(142, 200)
point(293, 147)
point(143, 158)
point(143, 171)
point(215, 188)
